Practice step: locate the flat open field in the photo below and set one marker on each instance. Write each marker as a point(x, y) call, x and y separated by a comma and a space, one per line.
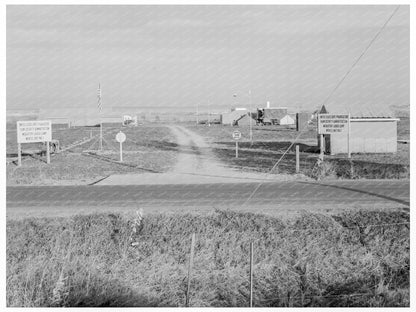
point(148, 148)
point(270, 142)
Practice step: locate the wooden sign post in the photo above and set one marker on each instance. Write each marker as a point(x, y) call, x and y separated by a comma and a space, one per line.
point(121, 137)
point(35, 131)
point(236, 137)
point(297, 158)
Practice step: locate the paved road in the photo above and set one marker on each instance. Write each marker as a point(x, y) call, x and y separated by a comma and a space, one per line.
point(274, 195)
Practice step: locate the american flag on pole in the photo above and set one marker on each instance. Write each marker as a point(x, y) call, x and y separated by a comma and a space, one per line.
point(99, 97)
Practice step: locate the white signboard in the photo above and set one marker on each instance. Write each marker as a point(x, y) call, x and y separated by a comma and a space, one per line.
point(34, 131)
point(120, 137)
point(329, 123)
point(236, 135)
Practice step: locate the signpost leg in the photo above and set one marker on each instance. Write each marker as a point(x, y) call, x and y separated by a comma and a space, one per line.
point(321, 155)
point(236, 149)
point(48, 153)
point(19, 154)
point(121, 152)
point(297, 158)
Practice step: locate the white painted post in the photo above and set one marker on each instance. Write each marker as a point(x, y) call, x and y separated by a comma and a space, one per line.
point(19, 154)
point(321, 155)
point(349, 136)
point(297, 158)
point(121, 152)
point(48, 153)
point(236, 149)
point(321, 143)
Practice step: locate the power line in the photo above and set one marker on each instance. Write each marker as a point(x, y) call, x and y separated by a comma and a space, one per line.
point(361, 55)
point(326, 100)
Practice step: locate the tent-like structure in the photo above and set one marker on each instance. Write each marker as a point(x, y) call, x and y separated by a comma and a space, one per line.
point(286, 120)
point(245, 120)
point(231, 117)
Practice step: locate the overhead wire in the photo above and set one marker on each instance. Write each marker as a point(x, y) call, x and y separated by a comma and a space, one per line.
point(326, 100)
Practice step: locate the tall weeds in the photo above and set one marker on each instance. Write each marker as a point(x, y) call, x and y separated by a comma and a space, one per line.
point(356, 258)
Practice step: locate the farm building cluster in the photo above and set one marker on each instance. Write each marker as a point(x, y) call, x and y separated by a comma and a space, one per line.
point(366, 134)
point(262, 116)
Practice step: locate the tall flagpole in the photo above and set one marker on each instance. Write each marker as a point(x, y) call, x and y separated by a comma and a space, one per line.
point(101, 122)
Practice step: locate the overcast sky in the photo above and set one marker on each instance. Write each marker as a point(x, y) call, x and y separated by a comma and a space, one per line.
point(183, 55)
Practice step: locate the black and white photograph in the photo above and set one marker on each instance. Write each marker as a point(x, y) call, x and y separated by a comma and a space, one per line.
point(207, 155)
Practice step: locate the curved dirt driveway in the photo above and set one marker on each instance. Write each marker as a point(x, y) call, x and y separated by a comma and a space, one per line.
point(196, 164)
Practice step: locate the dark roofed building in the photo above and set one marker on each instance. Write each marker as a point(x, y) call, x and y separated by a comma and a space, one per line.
point(271, 115)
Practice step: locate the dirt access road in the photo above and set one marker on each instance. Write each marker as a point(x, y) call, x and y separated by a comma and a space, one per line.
point(195, 164)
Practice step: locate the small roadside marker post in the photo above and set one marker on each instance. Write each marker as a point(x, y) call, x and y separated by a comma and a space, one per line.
point(297, 158)
point(121, 137)
point(236, 137)
point(121, 152)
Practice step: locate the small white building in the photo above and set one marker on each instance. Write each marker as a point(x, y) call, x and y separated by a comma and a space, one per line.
point(368, 135)
point(286, 120)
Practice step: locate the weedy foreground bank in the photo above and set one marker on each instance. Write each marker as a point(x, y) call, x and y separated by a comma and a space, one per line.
point(356, 258)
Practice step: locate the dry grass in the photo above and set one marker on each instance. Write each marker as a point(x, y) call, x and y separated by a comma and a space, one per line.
point(270, 142)
point(148, 148)
point(109, 260)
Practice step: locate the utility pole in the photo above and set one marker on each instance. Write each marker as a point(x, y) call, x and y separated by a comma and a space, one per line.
point(349, 135)
point(101, 134)
point(235, 97)
point(101, 119)
point(251, 129)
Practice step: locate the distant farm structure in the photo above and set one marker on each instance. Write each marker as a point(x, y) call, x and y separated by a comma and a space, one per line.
point(231, 118)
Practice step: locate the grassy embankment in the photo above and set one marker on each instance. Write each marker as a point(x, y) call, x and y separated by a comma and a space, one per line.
point(352, 259)
point(272, 141)
point(147, 148)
